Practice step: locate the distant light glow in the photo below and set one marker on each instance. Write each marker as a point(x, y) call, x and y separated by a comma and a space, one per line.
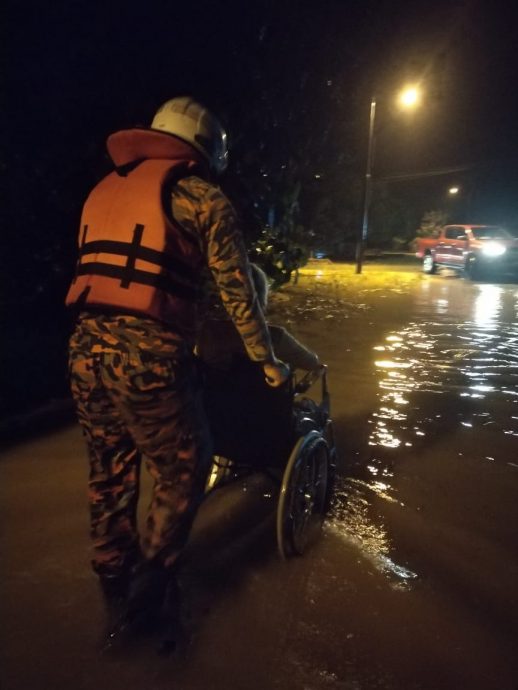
point(410, 97)
point(493, 249)
point(453, 190)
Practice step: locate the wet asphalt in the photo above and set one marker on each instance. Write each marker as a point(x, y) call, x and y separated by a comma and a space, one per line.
point(414, 582)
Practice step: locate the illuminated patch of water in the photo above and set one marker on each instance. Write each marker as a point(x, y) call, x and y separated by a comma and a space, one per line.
point(474, 360)
point(350, 521)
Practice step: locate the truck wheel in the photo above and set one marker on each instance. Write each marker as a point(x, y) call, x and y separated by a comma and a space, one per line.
point(429, 265)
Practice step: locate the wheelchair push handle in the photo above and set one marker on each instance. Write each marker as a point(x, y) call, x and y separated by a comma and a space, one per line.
point(310, 378)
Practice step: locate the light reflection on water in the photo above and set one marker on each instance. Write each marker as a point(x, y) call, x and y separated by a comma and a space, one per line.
point(350, 521)
point(450, 372)
point(473, 357)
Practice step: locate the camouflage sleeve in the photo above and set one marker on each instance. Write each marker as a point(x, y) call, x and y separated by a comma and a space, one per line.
point(228, 263)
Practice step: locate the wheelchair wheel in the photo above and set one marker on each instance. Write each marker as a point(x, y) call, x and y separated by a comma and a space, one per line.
point(303, 496)
point(331, 475)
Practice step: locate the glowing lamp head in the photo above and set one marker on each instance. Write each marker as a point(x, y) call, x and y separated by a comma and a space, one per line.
point(409, 97)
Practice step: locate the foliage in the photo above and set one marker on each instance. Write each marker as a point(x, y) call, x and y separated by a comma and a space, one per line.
point(392, 220)
point(431, 223)
point(282, 246)
point(388, 221)
point(333, 212)
point(279, 257)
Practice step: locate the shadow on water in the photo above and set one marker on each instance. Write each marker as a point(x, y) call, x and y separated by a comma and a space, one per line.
point(234, 533)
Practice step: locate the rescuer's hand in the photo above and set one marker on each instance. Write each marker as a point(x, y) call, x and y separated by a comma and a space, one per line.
point(276, 373)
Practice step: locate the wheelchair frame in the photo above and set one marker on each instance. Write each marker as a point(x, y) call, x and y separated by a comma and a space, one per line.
point(306, 482)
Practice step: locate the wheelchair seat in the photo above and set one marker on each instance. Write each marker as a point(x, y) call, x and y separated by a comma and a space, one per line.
point(276, 431)
point(251, 422)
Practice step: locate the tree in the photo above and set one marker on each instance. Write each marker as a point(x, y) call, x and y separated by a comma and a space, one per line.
point(431, 223)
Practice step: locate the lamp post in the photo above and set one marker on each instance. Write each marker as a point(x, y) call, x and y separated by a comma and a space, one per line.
point(408, 98)
point(367, 190)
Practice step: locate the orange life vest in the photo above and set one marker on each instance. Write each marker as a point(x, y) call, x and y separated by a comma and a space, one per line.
point(132, 257)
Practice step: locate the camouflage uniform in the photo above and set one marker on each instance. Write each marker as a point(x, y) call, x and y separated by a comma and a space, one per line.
point(135, 386)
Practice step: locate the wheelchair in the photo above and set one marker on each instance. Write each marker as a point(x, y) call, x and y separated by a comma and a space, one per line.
point(281, 433)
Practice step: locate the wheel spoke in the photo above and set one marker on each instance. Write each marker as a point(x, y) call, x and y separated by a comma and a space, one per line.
point(303, 495)
point(306, 513)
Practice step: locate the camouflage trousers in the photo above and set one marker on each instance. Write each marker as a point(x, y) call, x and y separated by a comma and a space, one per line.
point(137, 396)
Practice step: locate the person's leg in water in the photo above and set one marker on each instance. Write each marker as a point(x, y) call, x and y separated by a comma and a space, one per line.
point(165, 416)
point(152, 403)
point(114, 469)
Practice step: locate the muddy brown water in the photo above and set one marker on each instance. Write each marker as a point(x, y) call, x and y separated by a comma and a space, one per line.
point(413, 585)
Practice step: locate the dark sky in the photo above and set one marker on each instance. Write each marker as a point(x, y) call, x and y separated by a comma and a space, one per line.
point(285, 76)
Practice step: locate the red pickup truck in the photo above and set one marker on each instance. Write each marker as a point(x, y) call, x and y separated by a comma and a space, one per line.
point(477, 250)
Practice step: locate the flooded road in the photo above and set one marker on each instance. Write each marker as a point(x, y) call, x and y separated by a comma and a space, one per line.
point(413, 585)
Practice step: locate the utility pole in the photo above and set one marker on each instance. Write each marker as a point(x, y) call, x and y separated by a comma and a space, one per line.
point(408, 98)
point(367, 192)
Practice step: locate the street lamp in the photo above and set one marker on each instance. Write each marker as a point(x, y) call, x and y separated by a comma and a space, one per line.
point(408, 98)
point(452, 191)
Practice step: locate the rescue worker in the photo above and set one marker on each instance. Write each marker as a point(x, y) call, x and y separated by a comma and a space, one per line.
point(153, 233)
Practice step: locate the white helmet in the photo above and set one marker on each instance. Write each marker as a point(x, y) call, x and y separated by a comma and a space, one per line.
point(193, 123)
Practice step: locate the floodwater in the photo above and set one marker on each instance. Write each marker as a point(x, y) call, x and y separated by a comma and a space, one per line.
point(414, 583)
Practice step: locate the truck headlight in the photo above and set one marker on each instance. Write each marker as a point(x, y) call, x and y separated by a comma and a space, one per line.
point(493, 249)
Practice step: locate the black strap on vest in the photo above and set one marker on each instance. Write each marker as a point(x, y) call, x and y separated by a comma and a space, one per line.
point(160, 281)
point(152, 256)
point(132, 255)
point(127, 274)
